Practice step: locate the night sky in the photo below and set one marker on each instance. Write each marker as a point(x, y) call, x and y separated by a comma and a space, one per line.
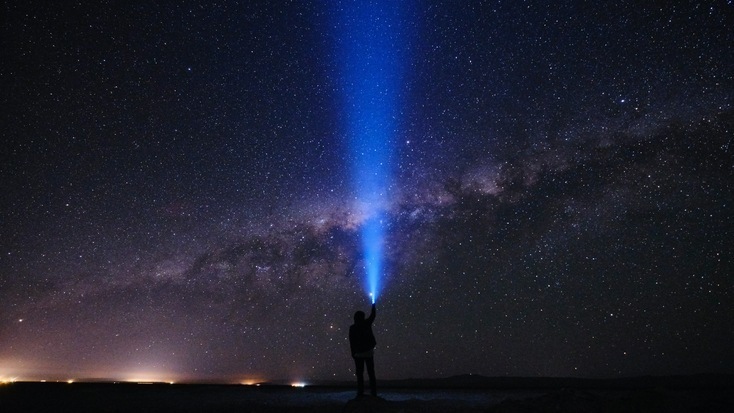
point(179, 199)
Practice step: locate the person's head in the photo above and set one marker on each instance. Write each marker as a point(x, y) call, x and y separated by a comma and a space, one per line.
point(359, 317)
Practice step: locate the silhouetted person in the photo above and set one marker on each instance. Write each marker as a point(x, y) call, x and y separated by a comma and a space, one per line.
point(362, 343)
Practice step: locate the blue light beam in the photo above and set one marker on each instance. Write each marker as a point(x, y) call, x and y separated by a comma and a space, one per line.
point(372, 241)
point(371, 44)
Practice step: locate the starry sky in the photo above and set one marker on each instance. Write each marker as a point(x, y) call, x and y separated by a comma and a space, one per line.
point(179, 200)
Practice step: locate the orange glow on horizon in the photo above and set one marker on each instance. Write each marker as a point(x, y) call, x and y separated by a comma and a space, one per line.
point(147, 380)
point(251, 382)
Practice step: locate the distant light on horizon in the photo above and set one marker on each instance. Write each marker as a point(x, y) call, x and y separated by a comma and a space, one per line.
point(152, 375)
point(148, 380)
point(298, 384)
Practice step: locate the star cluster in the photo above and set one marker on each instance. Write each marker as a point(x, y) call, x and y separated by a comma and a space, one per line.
point(177, 200)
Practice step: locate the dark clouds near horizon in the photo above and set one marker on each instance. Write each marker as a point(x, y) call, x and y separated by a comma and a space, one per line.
point(178, 203)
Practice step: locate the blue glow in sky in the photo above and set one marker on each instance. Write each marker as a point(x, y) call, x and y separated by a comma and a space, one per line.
point(370, 48)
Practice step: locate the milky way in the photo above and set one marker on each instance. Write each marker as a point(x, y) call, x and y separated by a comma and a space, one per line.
point(178, 203)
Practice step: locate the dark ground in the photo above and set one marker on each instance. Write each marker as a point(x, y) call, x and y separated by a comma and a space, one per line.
point(462, 394)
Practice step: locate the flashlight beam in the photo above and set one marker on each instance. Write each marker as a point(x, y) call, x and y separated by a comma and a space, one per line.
point(370, 39)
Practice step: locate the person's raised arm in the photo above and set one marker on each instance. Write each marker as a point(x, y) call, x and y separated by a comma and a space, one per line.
point(372, 314)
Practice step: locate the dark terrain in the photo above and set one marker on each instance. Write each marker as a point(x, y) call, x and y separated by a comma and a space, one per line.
point(469, 393)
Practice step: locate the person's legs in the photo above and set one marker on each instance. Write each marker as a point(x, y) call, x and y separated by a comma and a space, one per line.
point(359, 370)
point(371, 372)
